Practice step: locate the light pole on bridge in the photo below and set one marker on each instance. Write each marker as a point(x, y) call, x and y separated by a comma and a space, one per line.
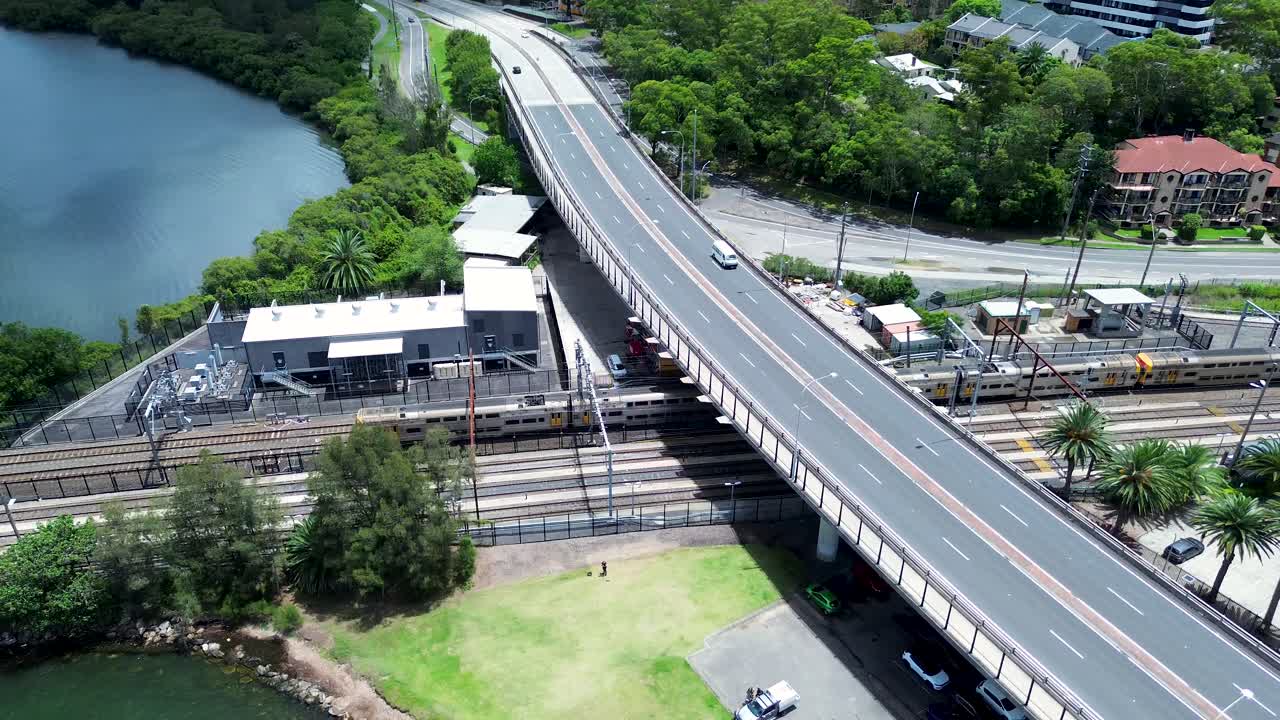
point(681, 134)
point(795, 453)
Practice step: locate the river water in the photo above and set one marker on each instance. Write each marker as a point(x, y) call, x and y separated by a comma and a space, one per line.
point(121, 178)
point(97, 686)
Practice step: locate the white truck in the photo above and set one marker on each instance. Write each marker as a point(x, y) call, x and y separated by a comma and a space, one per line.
point(773, 702)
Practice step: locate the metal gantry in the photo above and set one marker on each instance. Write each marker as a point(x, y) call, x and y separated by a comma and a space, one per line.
point(586, 378)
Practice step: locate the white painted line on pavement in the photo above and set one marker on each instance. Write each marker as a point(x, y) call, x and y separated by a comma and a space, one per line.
point(669, 282)
point(802, 412)
point(752, 298)
point(1064, 642)
point(615, 219)
point(626, 166)
point(661, 209)
point(640, 184)
point(855, 387)
point(1126, 602)
point(925, 445)
point(575, 157)
point(1015, 517)
point(797, 338)
point(584, 173)
point(1255, 701)
point(704, 317)
point(744, 357)
point(686, 235)
point(640, 248)
point(953, 547)
point(868, 472)
point(599, 196)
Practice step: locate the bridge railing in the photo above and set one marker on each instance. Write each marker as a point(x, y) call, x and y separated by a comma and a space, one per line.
point(1190, 600)
point(957, 618)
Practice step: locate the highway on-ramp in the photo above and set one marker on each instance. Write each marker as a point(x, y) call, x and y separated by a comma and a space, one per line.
point(1125, 647)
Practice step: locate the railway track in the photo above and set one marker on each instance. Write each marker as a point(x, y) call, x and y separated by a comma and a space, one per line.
point(676, 469)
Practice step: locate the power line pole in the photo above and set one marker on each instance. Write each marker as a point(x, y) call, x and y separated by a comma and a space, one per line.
point(1082, 167)
point(693, 153)
point(1084, 231)
point(844, 215)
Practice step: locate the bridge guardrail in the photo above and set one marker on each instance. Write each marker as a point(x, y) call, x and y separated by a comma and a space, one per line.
point(960, 620)
point(1190, 600)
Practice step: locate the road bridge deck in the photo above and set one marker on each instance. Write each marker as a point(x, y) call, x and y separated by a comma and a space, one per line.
point(1068, 602)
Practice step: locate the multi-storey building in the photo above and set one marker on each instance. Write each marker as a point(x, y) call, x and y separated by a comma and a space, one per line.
point(1073, 40)
point(1170, 176)
point(1140, 18)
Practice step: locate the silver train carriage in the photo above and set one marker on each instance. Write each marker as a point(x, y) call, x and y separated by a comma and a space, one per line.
point(548, 412)
point(1121, 371)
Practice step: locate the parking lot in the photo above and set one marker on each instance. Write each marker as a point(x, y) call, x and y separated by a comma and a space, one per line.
point(846, 664)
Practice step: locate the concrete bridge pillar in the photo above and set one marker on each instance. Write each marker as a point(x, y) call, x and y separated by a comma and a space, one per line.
point(828, 540)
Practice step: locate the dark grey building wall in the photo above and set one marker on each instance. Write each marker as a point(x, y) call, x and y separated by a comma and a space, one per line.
point(505, 326)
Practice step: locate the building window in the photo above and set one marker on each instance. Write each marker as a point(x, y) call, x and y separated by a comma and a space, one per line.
point(517, 339)
point(477, 324)
point(277, 359)
point(318, 359)
point(424, 351)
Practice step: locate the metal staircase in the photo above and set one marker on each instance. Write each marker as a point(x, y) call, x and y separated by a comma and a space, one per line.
point(514, 359)
point(282, 377)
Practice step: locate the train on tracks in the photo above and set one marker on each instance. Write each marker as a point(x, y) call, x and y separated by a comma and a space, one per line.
point(1004, 380)
point(549, 412)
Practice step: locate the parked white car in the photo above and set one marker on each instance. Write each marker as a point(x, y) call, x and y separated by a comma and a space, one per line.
point(928, 667)
point(774, 702)
point(999, 701)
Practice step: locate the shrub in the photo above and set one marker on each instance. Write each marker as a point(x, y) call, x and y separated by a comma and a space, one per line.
point(1256, 233)
point(46, 585)
point(1191, 223)
point(286, 618)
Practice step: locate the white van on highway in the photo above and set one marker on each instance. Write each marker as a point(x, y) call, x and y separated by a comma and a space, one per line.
point(724, 254)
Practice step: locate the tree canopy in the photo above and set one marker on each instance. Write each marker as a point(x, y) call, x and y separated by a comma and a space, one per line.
point(46, 583)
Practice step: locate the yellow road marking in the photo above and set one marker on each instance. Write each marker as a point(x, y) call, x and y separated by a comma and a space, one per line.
point(1039, 461)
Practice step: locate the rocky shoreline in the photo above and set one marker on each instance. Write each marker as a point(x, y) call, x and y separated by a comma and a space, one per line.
point(262, 656)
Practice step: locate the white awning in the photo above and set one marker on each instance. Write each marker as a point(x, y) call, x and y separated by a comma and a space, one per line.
point(365, 348)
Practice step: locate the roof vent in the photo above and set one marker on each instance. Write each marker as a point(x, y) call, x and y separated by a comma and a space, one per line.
point(275, 314)
point(395, 307)
point(355, 308)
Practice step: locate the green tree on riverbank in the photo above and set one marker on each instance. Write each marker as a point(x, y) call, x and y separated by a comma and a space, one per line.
point(46, 583)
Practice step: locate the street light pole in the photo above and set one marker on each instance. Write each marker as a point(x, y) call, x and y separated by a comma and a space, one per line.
point(907, 249)
point(471, 117)
point(1245, 694)
point(795, 455)
point(681, 134)
point(1262, 391)
point(733, 507)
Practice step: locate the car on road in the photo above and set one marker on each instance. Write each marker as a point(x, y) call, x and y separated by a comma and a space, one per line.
point(999, 701)
point(515, 69)
point(524, 34)
point(1182, 550)
point(412, 21)
point(616, 368)
point(822, 598)
point(927, 664)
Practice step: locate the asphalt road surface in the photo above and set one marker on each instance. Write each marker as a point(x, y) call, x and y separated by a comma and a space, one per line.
point(1126, 648)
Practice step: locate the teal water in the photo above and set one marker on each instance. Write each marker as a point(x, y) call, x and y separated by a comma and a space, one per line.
point(98, 686)
point(122, 177)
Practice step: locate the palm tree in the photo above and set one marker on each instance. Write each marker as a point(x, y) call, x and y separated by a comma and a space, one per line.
point(1077, 435)
point(1034, 61)
point(348, 262)
point(1236, 523)
point(1259, 467)
point(1140, 480)
point(1196, 472)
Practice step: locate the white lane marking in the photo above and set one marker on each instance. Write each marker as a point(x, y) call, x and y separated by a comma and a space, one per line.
point(873, 477)
point(639, 247)
point(1064, 642)
point(1256, 701)
point(802, 412)
point(599, 196)
point(639, 183)
point(925, 445)
point(752, 298)
point(1126, 602)
point(798, 339)
point(584, 173)
point(953, 547)
point(628, 167)
point(704, 317)
point(661, 209)
point(744, 357)
point(571, 155)
point(669, 282)
point(1014, 516)
point(615, 219)
point(855, 387)
point(686, 235)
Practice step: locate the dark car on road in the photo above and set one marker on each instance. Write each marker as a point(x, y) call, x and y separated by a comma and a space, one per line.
point(1180, 551)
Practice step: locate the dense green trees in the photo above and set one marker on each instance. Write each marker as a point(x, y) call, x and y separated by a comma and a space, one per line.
point(785, 86)
point(495, 162)
point(34, 359)
point(473, 81)
point(380, 525)
point(46, 584)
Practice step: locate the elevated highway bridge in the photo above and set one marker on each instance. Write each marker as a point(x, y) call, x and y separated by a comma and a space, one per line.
point(1068, 620)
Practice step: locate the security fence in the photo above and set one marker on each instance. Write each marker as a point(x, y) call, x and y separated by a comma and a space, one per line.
point(665, 516)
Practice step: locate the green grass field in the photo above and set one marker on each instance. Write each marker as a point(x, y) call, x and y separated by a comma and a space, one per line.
point(569, 645)
point(576, 32)
point(465, 149)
